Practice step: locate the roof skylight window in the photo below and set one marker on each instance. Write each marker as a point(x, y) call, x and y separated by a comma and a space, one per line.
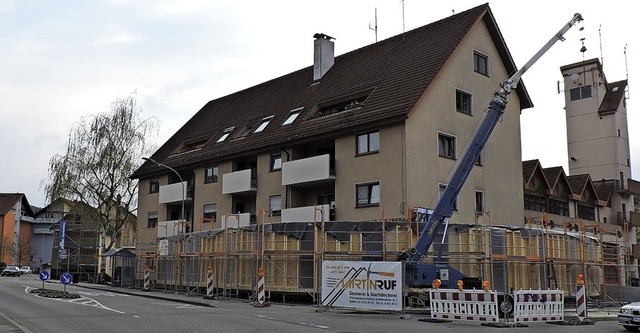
point(293, 114)
point(263, 124)
point(225, 134)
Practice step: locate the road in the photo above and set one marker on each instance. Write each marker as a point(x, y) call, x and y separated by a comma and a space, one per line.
point(106, 311)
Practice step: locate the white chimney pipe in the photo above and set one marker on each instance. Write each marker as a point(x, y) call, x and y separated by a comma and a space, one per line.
point(322, 55)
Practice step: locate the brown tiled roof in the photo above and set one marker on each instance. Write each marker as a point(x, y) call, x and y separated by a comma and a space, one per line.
point(612, 98)
point(553, 174)
point(578, 183)
point(8, 200)
point(528, 167)
point(604, 189)
point(397, 71)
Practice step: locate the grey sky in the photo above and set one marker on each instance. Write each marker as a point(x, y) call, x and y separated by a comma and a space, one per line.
point(62, 60)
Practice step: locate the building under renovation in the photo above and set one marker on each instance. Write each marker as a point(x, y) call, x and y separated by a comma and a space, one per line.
point(330, 163)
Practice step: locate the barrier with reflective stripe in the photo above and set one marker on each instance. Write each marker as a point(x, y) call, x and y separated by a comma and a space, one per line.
point(469, 305)
point(538, 305)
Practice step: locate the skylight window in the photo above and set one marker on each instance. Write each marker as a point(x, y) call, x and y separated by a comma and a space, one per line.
point(225, 134)
point(293, 114)
point(263, 124)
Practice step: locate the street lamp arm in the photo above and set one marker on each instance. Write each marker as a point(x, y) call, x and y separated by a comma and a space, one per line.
point(179, 177)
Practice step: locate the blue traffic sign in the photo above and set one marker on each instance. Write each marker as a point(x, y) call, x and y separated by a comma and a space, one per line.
point(44, 275)
point(66, 278)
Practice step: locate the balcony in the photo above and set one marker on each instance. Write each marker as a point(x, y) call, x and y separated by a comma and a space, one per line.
point(235, 220)
point(627, 186)
point(308, 171)
point(238, 182)
point(634, 217)
point(175, 192)
point(307, 214)
point(170, 228)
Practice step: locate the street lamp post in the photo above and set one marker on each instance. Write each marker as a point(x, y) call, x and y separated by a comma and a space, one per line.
point(182, 217)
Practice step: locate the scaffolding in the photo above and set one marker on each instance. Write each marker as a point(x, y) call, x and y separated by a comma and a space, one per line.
point(538, 255)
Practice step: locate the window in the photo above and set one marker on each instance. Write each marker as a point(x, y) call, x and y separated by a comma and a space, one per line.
point(211, 174)
point(225, 134)
point(559, 207)
point(441, 188)
point(152, 219)
point(210, 212)
point(275, 162)
point(580, 93)
point(586, 213)
point(275, 204)
point(293, 114)
point(463, 102)
point(368, 195)
point(479, 202)
point(368, 143)
point(446, 145)
point(480, 63)
point(263, 124)
point(535, 203)
point(154, 185)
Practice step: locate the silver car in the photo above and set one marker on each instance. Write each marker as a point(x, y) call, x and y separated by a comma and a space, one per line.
point(629, 316)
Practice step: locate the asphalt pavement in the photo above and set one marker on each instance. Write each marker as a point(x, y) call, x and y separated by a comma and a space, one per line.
point(600, 313)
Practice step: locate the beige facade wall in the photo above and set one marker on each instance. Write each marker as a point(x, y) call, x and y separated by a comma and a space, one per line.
point(500, 176)
point(385, 167)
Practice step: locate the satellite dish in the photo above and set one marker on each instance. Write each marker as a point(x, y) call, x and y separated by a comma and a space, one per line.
point(575, 78)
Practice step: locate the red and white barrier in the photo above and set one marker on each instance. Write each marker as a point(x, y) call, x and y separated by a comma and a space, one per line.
point(538, 306)
point(581, 298)
point(468, 305)
point(210, 282)
point(147, 278)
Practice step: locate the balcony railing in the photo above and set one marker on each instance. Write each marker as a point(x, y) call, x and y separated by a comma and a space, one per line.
point(175, 192)
point(307, 170)
point(170, 228)
point(307, 214)
point(238, 182)
point(235, 220)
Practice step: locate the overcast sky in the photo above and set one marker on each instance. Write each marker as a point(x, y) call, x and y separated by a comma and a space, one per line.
point(62, 60)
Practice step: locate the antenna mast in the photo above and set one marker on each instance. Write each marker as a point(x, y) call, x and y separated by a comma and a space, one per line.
point(626, 68)
point(375, 27)
point(600, 36)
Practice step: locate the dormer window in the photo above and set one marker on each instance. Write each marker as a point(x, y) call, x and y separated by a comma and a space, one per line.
point(350, 102)
point(192, 144)
point(293, 114)
point(225, 134)
point(263, 124)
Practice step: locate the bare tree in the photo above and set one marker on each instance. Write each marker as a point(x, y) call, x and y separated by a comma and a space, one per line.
point(23, 251)
point(102, 152)
point(6, 247)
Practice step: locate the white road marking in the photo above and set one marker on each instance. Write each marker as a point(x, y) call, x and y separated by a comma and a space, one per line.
point(80, 301)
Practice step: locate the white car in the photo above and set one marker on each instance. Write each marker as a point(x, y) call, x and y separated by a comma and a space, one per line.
point(629, 316)
point(26, 270)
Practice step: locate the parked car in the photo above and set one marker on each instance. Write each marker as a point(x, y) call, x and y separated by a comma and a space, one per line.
point(11, 270)
point(629, 316)
point(25, 270)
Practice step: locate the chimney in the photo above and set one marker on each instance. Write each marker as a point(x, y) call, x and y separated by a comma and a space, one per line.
point(322, 55)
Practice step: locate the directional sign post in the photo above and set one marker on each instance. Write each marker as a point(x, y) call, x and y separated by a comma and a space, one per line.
point(66, 278)
point(44, 276)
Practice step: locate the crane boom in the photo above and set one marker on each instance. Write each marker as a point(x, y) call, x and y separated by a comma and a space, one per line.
point(444, 207)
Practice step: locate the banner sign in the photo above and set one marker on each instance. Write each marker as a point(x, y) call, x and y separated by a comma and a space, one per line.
point(63, 231)
point(375, 285)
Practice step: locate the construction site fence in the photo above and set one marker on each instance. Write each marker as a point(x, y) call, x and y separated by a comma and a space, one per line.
point(291, 255)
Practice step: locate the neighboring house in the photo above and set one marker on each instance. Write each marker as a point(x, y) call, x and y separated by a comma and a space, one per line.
point(370, 134)
point(42, 239)
point(16, 217)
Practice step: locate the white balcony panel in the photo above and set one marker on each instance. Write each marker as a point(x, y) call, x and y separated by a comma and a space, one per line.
point(237, 182)
point(236, 220)
point(307, 170)
point(306, 214)
point(170, 228)
point(173, 192)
